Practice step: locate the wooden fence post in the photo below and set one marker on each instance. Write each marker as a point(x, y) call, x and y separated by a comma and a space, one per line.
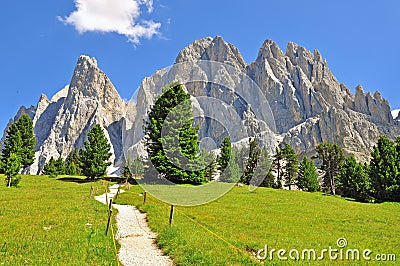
point(171, 215)
point(144, 197)
point(106, 196)
point(91, 192)
point(116, 195)
point(109, 216)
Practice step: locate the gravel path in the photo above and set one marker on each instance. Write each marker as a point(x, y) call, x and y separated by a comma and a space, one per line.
point(137, 241)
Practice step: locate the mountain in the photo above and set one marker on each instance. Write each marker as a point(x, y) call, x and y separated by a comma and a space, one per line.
point(307, 104)
point(63, 122)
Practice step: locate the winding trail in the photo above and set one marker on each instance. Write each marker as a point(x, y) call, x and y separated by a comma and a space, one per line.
point(137, 241)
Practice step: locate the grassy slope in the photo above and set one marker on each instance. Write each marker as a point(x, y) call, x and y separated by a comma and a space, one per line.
point(280, 219)
point(51, 222)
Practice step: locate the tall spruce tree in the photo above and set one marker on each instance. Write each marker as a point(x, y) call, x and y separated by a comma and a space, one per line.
point(20, 140)
point(12, 145)
point(72, 163)
point(269, 180)
point(211, 168)
point(331, 156)
point(12, 167)
point(384, 170)
point(50, 168)
point(278, 166)
point(94, 159)
point(241, 157)
point(232, 173)
point(137, 167)
point(353, 180)
point(308, 177)
point(225, 156)
point(291, 167)
point(252, 161)
point(263, 169)
point(25, 127)
point(173, 107)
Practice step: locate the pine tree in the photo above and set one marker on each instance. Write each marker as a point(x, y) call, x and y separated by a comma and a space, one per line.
point(241, 157)
point(12, 145)
point(332, 157)
point(20, 140)
point(291, 167)
point(25, 127)
point(252, 161)
point(308, 177)
point(278, 166)
point(225, 156)
point(269, 180)
point(232, 173)
point(72, 163)
point(126, 172)
point(353, 180)
point(60, 165)
point(211, 168)
point(173, 110)
point(384, 170)
point(137, 166)
point(50, 168)
point(126, 168)
point(263, 169)
point(94, 159)
point(12, 167)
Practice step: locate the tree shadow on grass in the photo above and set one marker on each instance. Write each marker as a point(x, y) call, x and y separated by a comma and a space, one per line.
point(75, 180)
point(119, 180)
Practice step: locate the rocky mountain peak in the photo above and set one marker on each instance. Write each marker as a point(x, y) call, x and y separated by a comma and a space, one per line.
point(193, 51)
point(44, 99)
point(62, 123)
point(308, 103)
point(214, 49)
point(317, 56)
point(270, 49)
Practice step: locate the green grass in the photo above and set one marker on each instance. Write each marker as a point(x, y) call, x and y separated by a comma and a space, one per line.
point(280, 219)
point(46, 221)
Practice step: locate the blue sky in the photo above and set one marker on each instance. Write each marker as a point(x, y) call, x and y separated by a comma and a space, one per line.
point(42, 40)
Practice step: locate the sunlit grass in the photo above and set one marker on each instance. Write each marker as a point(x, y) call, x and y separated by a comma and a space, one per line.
point(46, 221)
point(280, 219)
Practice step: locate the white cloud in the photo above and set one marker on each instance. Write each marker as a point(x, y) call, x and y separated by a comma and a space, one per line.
point(120, 16)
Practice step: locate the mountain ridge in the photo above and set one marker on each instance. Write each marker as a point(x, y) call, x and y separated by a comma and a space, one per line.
point(309, 104)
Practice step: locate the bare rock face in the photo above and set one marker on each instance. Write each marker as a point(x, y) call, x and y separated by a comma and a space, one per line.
point(62, 123)
point(22, 110)
point(309, 105)
point(220, 85)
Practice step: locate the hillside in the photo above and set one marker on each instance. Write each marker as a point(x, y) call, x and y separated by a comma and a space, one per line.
point(240, 223)
point(53, 222)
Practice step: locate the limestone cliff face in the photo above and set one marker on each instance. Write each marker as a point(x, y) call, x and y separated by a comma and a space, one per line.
point(22, 110)
point(309, 105)
point(62, 123)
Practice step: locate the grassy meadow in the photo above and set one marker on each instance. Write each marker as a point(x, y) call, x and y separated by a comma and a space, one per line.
point(229, 230)
point(49, 221)
point(46, 221)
